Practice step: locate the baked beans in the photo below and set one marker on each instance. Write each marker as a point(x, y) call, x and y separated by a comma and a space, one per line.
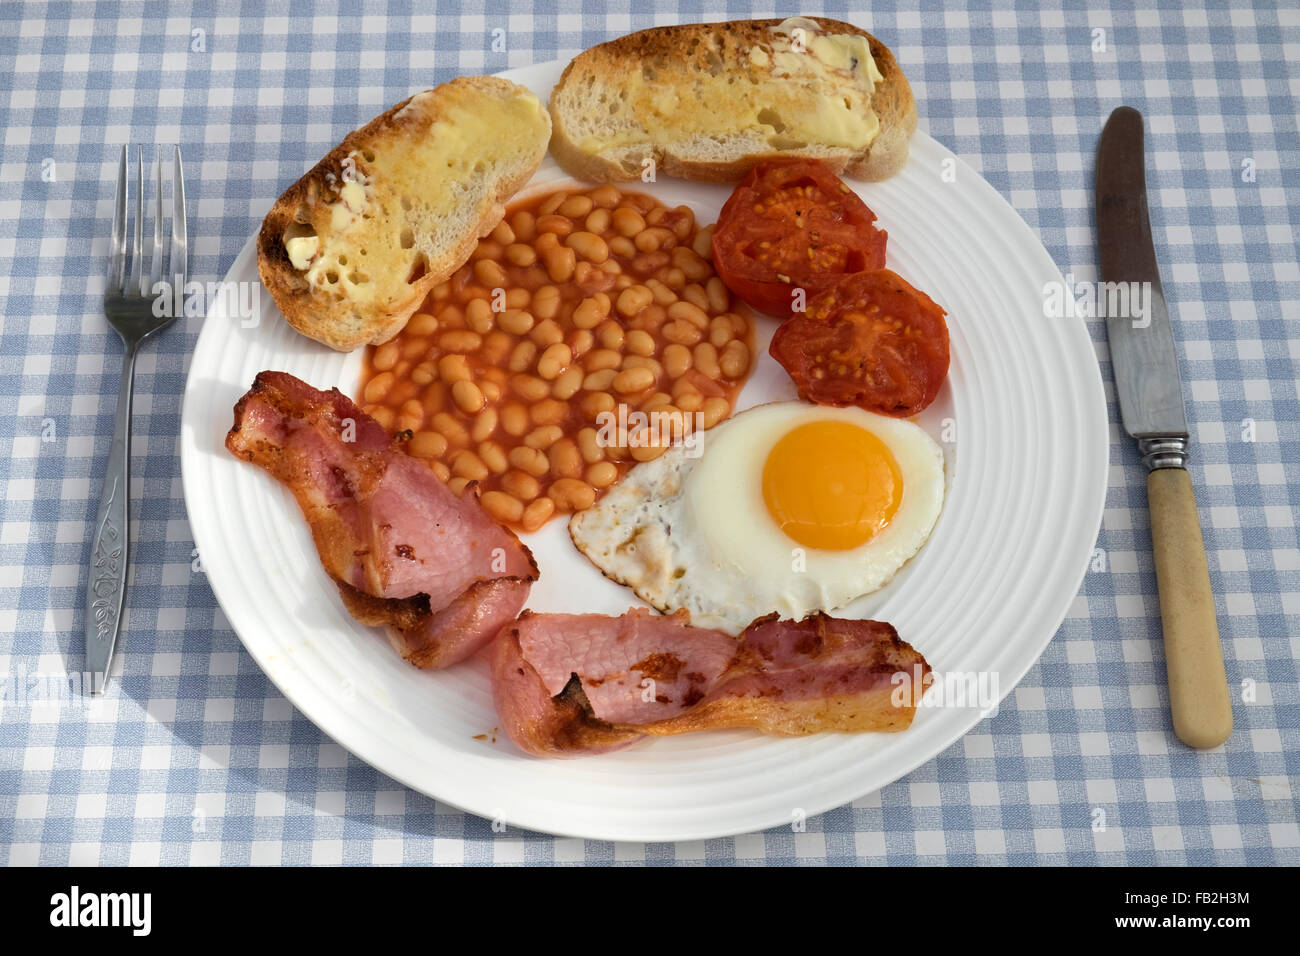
point(576, 303)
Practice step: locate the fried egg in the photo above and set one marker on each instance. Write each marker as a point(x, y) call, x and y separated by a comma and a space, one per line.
point(788, 508)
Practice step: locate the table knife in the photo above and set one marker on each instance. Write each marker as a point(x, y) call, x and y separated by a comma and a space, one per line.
point(1151, 405)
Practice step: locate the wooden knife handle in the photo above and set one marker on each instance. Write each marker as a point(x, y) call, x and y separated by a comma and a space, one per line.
point(1198, 685)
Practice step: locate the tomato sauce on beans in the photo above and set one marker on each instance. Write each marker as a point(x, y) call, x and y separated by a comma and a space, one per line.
point(581, 308)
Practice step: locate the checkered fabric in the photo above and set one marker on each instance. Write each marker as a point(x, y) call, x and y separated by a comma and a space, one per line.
point(196, 758)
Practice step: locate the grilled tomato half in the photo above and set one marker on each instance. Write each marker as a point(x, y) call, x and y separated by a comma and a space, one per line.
point(872, 341)
point(793, 224)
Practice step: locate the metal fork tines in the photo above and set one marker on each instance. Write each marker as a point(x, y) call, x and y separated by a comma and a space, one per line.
point(130, 295)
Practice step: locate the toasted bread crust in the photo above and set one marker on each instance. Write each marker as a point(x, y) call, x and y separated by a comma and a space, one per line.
point(892, 101)
point(334, 322)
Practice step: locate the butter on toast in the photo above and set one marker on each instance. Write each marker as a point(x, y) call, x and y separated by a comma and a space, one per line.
point(352, 248)
point(707, 101)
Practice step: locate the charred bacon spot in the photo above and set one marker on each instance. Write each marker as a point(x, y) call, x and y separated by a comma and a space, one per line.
point(660, 667)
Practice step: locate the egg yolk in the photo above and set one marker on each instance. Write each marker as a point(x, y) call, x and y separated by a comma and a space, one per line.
point(831, 485)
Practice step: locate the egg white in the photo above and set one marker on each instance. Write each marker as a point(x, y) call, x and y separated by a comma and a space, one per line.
point(695, 532)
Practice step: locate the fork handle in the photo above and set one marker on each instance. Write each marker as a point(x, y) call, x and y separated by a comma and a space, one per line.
point(110, 546)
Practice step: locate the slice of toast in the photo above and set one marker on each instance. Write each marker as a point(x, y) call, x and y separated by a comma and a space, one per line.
point(707, 101)
point(352, 248)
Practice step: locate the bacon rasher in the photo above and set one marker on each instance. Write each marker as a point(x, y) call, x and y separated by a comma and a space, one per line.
point(405, 552)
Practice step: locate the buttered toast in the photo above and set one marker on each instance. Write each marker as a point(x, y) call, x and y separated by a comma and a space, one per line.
point(707, 101)
point(353, 247)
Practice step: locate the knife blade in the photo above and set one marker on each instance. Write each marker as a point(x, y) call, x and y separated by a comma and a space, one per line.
point(1150, 395)
point(1145, 363)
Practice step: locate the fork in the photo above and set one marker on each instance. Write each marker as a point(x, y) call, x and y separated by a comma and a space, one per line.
point(129, 300)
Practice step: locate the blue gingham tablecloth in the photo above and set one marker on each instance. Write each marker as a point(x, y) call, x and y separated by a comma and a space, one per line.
point(194, 757)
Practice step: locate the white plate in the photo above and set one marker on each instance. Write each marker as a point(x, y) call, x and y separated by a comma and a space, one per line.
point(1027, 475)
